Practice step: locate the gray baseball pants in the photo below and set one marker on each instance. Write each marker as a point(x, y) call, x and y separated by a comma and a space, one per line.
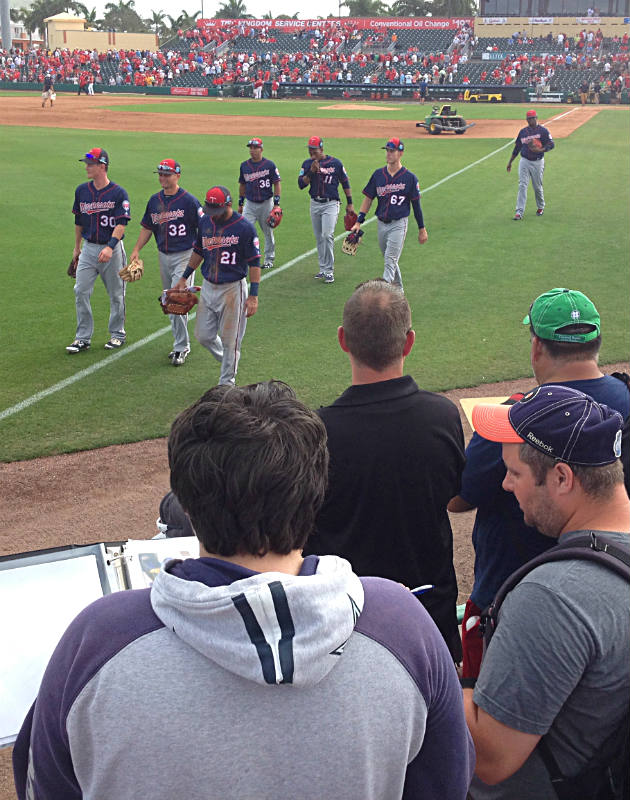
point(172, 266)
point(530, 170)
point(221, 322)
point(258, 213)
point(391, 238)
point(88, 269)
point(324, 218)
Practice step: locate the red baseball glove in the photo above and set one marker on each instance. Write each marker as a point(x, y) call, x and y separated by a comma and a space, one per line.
point(349, 220)
point(275, 217)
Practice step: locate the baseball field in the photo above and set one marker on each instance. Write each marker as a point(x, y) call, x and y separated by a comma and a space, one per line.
point(469, 287)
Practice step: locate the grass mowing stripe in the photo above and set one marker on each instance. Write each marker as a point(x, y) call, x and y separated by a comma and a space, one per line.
point(151, 337)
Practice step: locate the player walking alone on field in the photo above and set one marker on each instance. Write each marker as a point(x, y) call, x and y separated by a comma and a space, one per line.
point(323, 174)
point(397, 191)
point(532, 143)
point(259, 194)
point(48, 92)
point(226, 247)
point(172, 215)
point(101, 213)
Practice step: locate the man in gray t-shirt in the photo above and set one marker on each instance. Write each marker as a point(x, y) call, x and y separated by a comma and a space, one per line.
point(557, 664)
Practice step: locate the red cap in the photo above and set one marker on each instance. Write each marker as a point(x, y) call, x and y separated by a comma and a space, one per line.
point(531, 113)
point(394, 144)
point(255, 142)
point(96, 156)
point(217, 199)
point(168, 165)
point(315, 141)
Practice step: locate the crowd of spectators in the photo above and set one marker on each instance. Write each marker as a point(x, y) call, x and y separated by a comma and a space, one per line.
point(336, 53)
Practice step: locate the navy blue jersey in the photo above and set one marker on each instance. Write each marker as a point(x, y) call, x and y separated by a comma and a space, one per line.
point(258, 178)
point(229, 248)
point(529, 134)
point(48, 83)
point(394, 192)
point(98, 211)
point(324, 184)
point(173, 220)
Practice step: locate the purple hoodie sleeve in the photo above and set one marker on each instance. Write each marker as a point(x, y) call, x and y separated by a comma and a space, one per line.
point(42, 762)
point(444, 766)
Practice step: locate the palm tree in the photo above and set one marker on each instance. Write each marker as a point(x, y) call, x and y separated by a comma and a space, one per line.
point(366, 8)
point(183, 22)
point(232, 9)
point(156, 21)
point(122, 16)
point(90, 17)
point(411, 8)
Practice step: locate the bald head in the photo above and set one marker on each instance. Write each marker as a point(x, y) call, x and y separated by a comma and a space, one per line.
point(376, 321)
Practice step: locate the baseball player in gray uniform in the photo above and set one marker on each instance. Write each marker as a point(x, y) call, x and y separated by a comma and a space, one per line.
point(397, 192)
point(323, 174)
point(259, 191)
point(172, 216)
point(532, 143)
point(101, 213)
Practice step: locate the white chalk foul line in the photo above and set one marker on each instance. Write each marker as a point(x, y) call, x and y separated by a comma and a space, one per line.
point(127, 350)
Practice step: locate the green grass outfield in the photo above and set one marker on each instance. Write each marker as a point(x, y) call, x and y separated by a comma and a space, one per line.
point(332, 108)
point(469, 286)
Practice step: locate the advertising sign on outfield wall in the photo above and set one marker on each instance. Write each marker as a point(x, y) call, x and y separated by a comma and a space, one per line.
point(360, 23)
point(494, 20)
point(541, 20)
point(194, 91)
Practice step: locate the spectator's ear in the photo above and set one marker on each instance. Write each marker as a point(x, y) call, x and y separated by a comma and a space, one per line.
point(342, 339)
point(409, 342)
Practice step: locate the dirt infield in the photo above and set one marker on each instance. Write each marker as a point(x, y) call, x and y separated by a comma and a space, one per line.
point(92, 113)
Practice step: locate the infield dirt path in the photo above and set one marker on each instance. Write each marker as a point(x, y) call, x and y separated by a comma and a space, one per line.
point(95, 113)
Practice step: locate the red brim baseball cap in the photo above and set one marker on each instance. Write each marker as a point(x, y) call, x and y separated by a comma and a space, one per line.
point(530, 114)
point(255, 142)
point(492, 422)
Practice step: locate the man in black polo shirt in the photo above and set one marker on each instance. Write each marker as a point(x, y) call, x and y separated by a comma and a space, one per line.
point(396, 457)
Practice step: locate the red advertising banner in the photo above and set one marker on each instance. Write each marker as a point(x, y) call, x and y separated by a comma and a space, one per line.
point(196, 91)
point(360, 23)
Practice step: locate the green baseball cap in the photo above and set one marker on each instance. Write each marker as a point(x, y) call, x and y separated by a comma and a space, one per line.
point(557, 309)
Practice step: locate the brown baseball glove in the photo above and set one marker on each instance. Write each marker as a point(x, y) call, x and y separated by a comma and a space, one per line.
point(349, 220)
point(72, 266)
point(536, 146)
point(174, 301)
point(351, 243)
point(132, 271)
point(275, 217)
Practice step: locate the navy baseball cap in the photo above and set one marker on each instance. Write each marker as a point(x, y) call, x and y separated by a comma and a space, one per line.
point(96, 155)
point(217, 200)
point(169, 165)
point(394, 144)
point(315, 141)
point(552, 313)
point(563, 423)
point(255, 142)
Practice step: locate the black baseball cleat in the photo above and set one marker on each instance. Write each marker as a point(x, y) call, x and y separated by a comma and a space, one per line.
point(114, 344)
point(179, 357)
point(78, 346)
